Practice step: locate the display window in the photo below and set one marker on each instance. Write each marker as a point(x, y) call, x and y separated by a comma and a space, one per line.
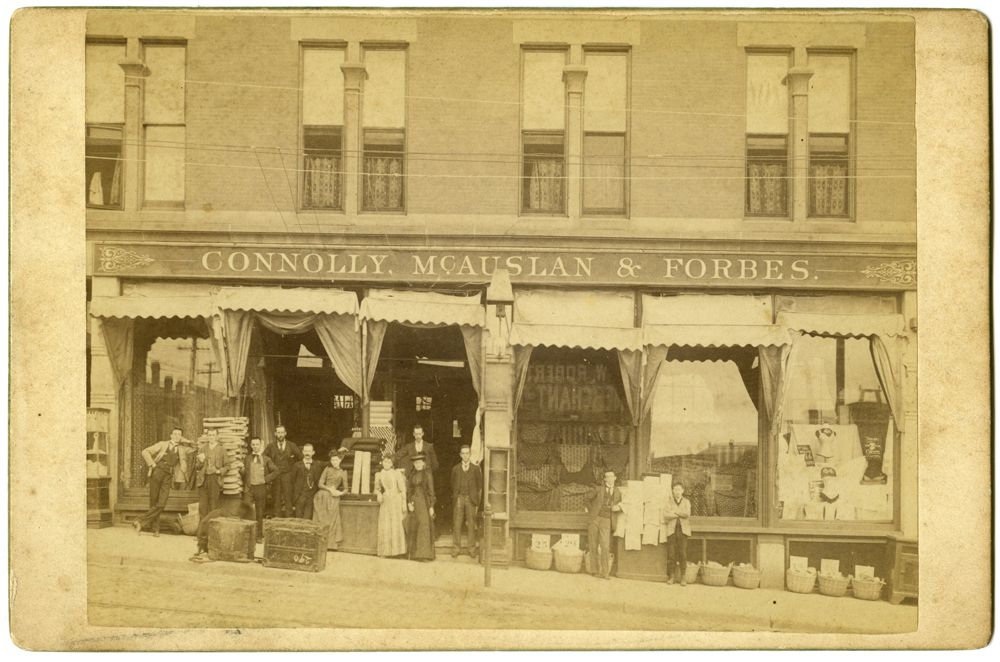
point(836, 437)
point(705, 428)
point(573, 423)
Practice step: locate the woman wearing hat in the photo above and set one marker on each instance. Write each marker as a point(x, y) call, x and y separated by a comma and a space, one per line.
point(326, 503)
point(390, 488)
point(420, 489)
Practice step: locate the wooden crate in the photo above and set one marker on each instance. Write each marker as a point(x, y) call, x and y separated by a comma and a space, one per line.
point(294, 544)
point(232, 539)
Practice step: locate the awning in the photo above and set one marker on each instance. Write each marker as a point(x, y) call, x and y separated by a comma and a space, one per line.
point(329, 301)
point(844, 325)
point(151, 307)
point(710, 320)
point(423, 308)
point(585, 320)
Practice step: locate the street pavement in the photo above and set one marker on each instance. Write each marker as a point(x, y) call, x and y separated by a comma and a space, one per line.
point(142, 581)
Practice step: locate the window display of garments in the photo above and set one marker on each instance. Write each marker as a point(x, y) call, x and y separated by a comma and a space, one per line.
point(574, 456)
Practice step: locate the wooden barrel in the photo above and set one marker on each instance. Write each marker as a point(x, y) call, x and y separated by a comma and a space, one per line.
point(232, 539)
point(294, 544)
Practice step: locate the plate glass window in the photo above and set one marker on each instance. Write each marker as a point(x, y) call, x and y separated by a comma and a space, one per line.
point(164, 130)
point(543, 184)
point(829, 135)
point(105, 118)
point(605, 125)
point(767, 169)
point(322, 128)
point(384, 161)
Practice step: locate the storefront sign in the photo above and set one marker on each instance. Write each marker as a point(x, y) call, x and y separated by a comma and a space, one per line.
point(648, 269)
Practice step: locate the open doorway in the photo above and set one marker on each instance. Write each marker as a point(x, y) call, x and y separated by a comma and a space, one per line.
point(424, 372)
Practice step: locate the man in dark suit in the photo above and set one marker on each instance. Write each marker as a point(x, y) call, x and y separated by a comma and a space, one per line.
point(466, 494)
point(258, 471)
point(284, 454)
point(605, 502)
point(404, 458)
point(305, 482)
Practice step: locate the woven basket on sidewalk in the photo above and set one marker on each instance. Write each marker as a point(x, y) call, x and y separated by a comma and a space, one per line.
point(691, 573)
point(715, 576)
point(746, 577)
point(568, 560)
point(834, 585)
point(538, 560)
point(867, 589)
point(800, 582)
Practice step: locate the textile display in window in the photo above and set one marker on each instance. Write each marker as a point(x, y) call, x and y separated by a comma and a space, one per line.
point(322, 182)
point(829, 183)
point(766, 189)
point(545, 190)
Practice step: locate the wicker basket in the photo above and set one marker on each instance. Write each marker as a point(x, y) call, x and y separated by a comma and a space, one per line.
point(537, 560)
point(713, 576)
point(799, 583)
point(834, 585)
point(746, 577)
point(691, 573)
point(867, 589)
point(568, 560)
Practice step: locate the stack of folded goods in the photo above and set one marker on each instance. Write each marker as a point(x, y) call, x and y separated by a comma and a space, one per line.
point(233, 431)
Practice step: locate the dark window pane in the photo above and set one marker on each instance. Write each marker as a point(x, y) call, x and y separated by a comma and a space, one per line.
point(767, 176)
point(544, 174)
point(322, 182)
point(604, 173)
point(104, 167)
point(383, 167)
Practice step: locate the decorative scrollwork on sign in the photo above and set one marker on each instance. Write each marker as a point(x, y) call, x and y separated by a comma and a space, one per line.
point(119, 259)
point(901, 272)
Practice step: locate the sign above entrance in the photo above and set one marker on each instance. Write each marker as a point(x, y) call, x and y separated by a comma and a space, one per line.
point(648, 269)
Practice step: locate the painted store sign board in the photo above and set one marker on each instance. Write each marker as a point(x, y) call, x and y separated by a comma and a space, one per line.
point(652, 269)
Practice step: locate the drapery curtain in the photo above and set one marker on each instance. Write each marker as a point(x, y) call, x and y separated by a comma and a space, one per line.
point(766, 186)
point(774, 362)
point(545, 186)
point(884, 355)
point(237, 328)
point(376, 334)
point(321, 182)
point(120, 342)
point(630, 365)
point(655, 357)
point(260, 389)
point(383, 182)
point(342, 341)
point(522, 357)
point(473, 337)
point(829, 189)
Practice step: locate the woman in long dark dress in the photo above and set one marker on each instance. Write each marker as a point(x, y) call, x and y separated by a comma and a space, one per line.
point(420, 493)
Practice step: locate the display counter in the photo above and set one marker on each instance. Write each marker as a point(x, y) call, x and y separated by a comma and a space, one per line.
point(359, 518)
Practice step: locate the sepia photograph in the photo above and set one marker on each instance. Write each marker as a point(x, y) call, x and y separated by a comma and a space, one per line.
point(501, 320)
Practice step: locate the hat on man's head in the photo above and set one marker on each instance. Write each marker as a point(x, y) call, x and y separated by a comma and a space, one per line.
point(418, 456)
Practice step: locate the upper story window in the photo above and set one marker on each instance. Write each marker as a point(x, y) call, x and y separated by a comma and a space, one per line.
point(543, 139)
point(322, 128)
point(830, 134)
point(383, 164)
point(767, 144)
point(105, 118)
point(605, 126)
point(163, 125)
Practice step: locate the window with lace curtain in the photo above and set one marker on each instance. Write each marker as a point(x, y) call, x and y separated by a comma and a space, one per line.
point(604, 138)
point(105, 117)
point(383, 163)
point(829, 134)
point(543, 138)
point(323, 128)
point(767, 172)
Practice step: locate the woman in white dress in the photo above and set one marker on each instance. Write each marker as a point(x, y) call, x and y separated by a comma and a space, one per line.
point(390, 488)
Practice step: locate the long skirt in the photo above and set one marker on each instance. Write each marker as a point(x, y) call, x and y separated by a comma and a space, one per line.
point(326, 510)
point(420, 537)
point(391, 535)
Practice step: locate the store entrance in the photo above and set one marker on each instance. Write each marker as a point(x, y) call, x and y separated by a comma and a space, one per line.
point(309, 399)
point(425, 374)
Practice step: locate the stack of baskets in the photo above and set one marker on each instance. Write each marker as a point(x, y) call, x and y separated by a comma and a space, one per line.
point(800, 581)
point(867, 588)
point(233, 432)
point(713, 574)
point(746, 576)
point(538, 559)
point(834, 585)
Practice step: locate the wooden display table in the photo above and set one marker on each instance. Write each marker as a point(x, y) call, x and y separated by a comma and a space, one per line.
point(359, 519)
point(904, 575)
